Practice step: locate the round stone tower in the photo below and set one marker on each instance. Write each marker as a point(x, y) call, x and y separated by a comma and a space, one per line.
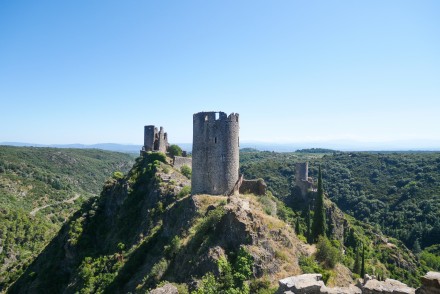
point(215, 153)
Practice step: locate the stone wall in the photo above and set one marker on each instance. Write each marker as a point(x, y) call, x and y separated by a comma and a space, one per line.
point(154, 139)
point(302, 179)
point(180, 161)
point(215, 153)
point(257, 187)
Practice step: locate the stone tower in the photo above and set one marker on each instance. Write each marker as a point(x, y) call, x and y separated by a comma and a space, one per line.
point(155, 140)
point(302, 179)
point(301, 171)
point(215, 153)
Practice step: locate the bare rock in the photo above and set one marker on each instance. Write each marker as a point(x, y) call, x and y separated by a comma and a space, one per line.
point(430, 284)
point(302, 284)
point(389, 286)
point(166, 289)
point(351, 289)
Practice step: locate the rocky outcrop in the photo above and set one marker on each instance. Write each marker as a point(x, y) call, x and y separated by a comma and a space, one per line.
point(313, 284)
point(430, 284)
point(341, 290)
point(389, 286)
point(302, 284)
point(165, 289)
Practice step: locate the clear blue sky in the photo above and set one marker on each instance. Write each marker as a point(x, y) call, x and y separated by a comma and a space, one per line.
point(98, 71)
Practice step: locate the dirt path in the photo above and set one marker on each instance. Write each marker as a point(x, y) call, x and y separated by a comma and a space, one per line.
point(70, 201)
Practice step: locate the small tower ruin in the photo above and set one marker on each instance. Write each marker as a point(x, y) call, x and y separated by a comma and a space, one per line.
point(155, 140)
point(302, 179)
point(215, 153)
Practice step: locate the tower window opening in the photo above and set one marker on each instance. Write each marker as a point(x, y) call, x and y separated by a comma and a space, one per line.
point(206, 118)
point(215, 140)
point(217, 115)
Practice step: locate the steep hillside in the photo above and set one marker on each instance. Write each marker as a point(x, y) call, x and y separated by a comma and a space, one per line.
point(145, 228)
point(39, 189)
point(399, 192)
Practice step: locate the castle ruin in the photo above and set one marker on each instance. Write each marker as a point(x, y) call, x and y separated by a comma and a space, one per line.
point(155, 140)
point(302, 179)
point(215, 153)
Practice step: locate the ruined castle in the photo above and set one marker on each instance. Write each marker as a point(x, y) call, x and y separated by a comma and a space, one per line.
point(302, 179)
point(215, 153)
point(155, 140)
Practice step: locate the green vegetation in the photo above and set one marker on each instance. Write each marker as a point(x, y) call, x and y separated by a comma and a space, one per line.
point(186, 171)
point(144, 230)
point(232, 277)
point(35, 187)
point(328, 253)
point(319, 222)
point(395, 193)
point(175, 150)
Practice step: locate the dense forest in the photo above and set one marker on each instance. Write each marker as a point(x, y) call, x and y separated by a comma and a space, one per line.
point(398, 193)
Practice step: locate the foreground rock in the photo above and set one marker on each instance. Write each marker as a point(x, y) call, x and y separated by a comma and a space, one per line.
point(313, 284)
point(430, 284)
point(307, 283)
point(165, 289)
point(389, 286)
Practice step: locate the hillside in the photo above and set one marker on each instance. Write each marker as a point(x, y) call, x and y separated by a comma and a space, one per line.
point(145, 229)
point(397, 193)
point(39, 189)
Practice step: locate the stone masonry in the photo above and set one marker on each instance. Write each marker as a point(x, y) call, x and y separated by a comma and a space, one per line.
point(302, 179)
point(155, 140)
point(215, 153)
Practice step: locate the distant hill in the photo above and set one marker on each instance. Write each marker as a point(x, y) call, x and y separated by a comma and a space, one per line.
point(39, 190)
point(422, 145)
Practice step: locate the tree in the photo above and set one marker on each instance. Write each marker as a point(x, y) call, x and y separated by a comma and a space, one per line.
point(175, 150)
point(416, 247)
point(327, 253)
point(363, 262)
point(309, 226)
point(357, 263)
point(319, 223)
point(297, 227)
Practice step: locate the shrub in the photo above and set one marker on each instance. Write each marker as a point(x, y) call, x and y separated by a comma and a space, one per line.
point(186, 171)
point(118, 175)
point(185, 191)
point(327, 253)
point(175, 150)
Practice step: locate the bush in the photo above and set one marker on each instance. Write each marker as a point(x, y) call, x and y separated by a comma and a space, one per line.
point(186, 171)
point(118, 175)
point(185, 191)
point(175, 150)
point(327, 253)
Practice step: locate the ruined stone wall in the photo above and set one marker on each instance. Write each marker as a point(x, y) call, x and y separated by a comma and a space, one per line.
point(257, 187)
point(180, 161)
point(155, 140)
point(149, 137)
point(301, 171)
point(215, 153)
point(162, 141)
point(302, 179)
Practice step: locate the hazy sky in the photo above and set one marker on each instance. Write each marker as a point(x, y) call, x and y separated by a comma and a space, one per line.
point(98, 71)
